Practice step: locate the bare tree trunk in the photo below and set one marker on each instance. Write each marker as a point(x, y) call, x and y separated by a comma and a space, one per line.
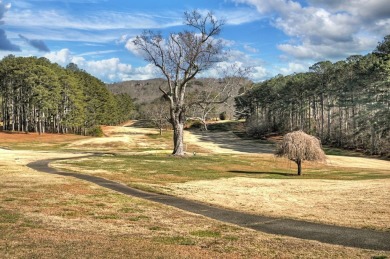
point(372, 148)
point(178, 143)
point(340, 137)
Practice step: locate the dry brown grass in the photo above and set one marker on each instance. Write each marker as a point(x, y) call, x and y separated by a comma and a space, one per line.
point(16, 137)
point(46, 216)
point(359, 204)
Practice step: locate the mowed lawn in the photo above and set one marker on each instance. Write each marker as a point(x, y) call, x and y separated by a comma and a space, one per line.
point(49, 216)
point(260, 184)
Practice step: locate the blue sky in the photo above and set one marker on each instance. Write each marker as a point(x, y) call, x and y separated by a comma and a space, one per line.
point(271, 36)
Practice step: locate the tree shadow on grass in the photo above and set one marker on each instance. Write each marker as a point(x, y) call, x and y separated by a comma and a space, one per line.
point(141, 124)
point(264, 173)
point(229, 140)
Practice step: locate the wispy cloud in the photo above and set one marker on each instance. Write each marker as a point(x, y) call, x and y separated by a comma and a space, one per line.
point(108, 20)
point(37, 44)
point(250, 48)
point(92, 26)
point(92, 53)
point(239, 16)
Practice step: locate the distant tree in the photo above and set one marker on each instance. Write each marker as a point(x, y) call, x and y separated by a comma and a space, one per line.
point(157, 112)
point(383, 47)
point(299, 146)
point(180, 58)
point(205, 101)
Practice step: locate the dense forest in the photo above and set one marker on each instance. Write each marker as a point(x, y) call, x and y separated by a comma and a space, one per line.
point(39, 96)
point(346, 103)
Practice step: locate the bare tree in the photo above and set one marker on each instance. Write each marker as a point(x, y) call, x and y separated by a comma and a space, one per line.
point(180, 57)
point(156, 112)
point(299, 146)
point(217, 92)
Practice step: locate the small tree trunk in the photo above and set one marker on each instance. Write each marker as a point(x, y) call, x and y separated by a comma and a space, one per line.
point(204, 125)
point(299, 163)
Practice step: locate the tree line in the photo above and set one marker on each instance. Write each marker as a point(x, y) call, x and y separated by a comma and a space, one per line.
point(39, 96)
point(346, 104)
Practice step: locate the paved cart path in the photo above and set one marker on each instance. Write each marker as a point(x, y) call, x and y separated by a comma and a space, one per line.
point(361, 238)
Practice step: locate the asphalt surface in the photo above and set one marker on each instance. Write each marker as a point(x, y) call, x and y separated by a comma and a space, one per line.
point(361, 238)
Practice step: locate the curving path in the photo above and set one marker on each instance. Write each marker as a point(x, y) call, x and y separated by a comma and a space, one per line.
point(361, 238)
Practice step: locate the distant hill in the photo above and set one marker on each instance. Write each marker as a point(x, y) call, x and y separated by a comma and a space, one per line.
point(145, 91)
point(142, 91)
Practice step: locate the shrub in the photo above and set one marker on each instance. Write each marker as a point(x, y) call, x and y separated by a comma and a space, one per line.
point(257, 131)
point(95, 131)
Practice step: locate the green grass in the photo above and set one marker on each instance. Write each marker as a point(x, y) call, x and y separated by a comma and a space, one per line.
point(166, 136)
point(341, 152)
point(156, 228)
point(8, 217)
point(138, 170)
point(206, 233)
point(37, 146)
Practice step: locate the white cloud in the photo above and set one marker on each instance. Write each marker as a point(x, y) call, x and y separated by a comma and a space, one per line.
point(293, 68)
point(327, 29)
point(142, 73)
point(62, 57)
point(250, 48)
point(130, 46)
point(259, 73)
point(237, 59)
point(108, 70)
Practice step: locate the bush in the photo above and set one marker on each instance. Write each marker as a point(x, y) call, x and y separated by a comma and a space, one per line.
point(257, 131)
point(95, 131)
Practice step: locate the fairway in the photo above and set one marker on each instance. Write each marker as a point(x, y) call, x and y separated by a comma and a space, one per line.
point(52, 213)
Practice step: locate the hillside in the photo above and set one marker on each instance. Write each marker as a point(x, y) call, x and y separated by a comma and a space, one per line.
point(145, 91)
point(142, 91)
